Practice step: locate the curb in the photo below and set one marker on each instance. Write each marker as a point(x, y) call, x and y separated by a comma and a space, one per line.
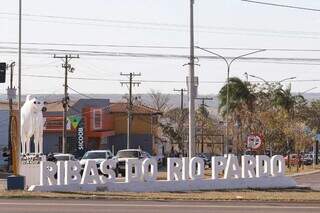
point(304, 173)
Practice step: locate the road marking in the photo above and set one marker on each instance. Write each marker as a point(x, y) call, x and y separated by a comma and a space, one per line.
point(157, 205)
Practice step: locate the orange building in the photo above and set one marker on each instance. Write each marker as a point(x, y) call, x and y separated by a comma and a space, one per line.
point(99, 124)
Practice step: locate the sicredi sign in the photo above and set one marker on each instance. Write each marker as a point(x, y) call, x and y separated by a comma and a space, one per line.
point(182, 175)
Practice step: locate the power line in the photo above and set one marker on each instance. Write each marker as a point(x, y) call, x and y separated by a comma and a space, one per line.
point(177, 27)
point(163, 24)
point(282, 5)
point(150, 55)
point(151, 81)
point(161, 47)
point(84, 95)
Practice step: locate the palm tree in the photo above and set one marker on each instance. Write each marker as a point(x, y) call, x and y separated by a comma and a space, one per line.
point(283, 98)
point(241, 105)
point(240, 95)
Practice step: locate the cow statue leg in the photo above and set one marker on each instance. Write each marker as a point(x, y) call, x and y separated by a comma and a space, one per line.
point(38, 135)
point(23, 143)
point(36, 144)
point(41, 140)
point(28, 145)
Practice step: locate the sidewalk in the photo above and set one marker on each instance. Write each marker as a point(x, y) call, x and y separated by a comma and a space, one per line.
point(304, 173)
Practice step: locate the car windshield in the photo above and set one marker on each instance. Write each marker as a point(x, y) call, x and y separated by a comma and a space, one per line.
point(94, 155)
point(61, 157)
point(128, 154)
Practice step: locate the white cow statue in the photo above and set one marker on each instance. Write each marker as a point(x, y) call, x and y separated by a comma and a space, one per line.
point(32, 123)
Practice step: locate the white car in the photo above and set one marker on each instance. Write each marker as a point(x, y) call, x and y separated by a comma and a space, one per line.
point(64, 157)
point(96, 155)
point(124, 154)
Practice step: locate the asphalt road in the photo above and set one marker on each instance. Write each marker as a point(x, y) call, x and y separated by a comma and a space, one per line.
point(88, 206)
point(310, 180)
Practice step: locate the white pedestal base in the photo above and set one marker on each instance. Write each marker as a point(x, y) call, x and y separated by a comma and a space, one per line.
point(174, 186)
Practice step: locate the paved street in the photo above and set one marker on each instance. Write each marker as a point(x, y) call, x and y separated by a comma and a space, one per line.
point(310, 180)
point(87, 206)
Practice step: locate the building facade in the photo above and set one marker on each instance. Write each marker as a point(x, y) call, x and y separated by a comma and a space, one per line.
point(98, 124)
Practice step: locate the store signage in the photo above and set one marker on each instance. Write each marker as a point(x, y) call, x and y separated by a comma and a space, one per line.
point(80, 138)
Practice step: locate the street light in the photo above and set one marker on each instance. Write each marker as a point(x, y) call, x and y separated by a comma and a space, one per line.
point(228, 63)
point(268, 83)
point(253, 76)
point(286, 79)
point(308, 90)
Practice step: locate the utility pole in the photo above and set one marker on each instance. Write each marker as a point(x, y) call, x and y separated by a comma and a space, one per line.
point(65, 102)
point(17, 164)
point(182, 112)
point(11, 91)
point(181, 96)
point(202, 123)
point(191, 87)
point(131, 83)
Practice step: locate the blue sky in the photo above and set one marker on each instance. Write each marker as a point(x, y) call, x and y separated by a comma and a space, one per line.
point(219, 23)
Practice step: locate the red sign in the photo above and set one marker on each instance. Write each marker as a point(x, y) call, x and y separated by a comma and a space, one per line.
point(254, 141)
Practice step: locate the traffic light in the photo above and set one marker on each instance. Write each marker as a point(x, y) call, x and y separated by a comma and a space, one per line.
point(3, 67)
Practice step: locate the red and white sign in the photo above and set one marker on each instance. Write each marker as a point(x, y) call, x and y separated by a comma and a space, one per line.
point(254, 141)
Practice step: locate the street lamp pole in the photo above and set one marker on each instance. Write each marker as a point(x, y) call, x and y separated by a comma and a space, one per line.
point(228, 63)
point(191, 86)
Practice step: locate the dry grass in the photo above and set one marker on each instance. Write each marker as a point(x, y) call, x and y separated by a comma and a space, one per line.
point(289, 195)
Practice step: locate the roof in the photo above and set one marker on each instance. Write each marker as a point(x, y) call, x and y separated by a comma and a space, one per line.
point(56, 109)
point(52, 107)
point(99, 151)
point(130, 150)
point(83, 103)
point(122, 107)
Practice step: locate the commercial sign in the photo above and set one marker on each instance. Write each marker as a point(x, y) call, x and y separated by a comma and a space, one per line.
point(77, 122)
point(80, 138)
point(182, 175)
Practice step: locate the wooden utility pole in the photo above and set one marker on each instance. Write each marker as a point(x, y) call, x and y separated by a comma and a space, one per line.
point(202, 123)
point(130, 84)
point(65, 102)
point(182, 111)
point(181, 96)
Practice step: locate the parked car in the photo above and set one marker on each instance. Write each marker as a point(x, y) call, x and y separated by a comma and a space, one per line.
point(206, 159)
point(307, 160)
point(64, 157)
point(96, 155)
point(125, 154)
point(294, 159)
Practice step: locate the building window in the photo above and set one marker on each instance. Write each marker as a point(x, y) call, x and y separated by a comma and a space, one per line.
point(97, 116)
